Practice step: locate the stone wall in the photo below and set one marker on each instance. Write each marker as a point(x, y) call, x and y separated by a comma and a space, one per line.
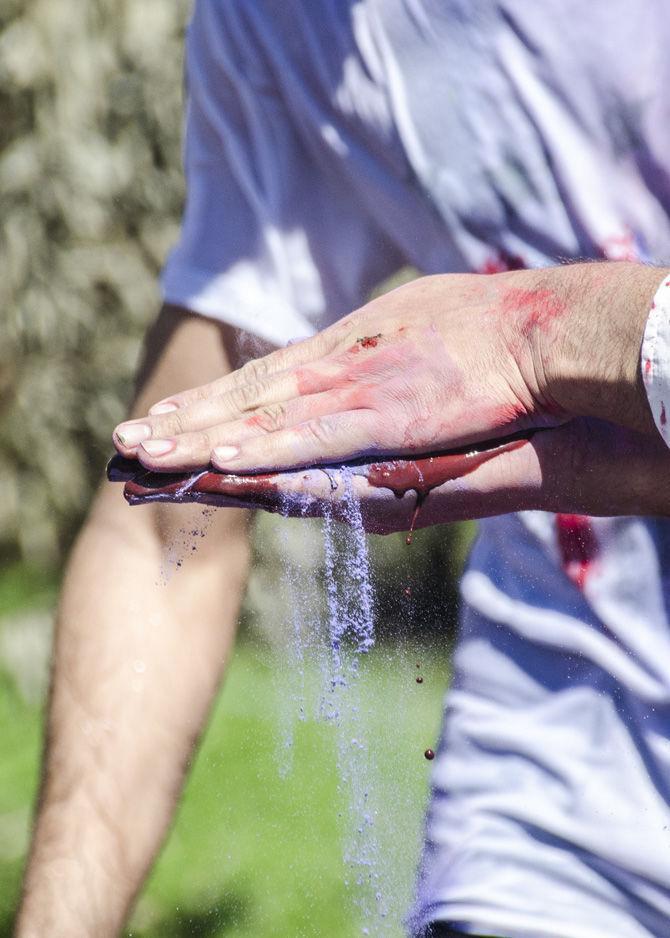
point(90, 196)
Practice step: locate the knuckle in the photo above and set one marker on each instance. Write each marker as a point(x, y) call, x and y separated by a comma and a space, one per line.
point(254, 371)
point(171, 425)
point(202, 441)
point(318, 431)
point(177, 423)
point(244, 397)
point(271, 418)
point(195, 395)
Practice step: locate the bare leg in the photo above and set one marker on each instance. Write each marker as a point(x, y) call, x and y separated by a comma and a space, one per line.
point(136, 665)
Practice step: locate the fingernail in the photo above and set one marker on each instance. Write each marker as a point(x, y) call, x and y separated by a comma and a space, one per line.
point(130, 434)
point(224, 453)
point(166, 408)
point(158, 447)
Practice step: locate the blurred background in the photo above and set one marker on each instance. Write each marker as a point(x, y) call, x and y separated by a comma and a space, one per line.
point(90, 198)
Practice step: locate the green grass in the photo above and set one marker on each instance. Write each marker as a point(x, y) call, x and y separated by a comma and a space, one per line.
point(258, 843)
point(23, 588)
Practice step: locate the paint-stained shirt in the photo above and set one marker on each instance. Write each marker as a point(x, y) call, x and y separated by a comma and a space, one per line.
point(329, 143)
point(655, 358)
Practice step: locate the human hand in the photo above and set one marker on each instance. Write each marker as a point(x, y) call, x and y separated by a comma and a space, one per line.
point(583, 467)
point(440, 362)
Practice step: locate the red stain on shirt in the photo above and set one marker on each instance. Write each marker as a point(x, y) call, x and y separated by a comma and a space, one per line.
point(647, 366)
point(621, 246)
point(578, 546)
point(502, 262)
point(492, 265)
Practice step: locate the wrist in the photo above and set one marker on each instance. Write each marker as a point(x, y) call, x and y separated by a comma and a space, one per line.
point(587, 356)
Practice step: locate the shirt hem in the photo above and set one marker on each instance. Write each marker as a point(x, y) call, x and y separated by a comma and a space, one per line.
point(242, 306)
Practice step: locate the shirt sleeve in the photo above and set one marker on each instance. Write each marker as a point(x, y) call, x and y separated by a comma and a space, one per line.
point(655, 359)
point(272, 239)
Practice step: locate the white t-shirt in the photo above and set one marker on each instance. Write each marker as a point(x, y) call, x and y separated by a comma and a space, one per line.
point(655, 359)
point(328, 143)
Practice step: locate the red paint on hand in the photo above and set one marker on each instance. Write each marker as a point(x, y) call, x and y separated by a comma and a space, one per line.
point(427, 472)
point(263, 491)
point(535, 308)
point(369, 341)
point(204, 487)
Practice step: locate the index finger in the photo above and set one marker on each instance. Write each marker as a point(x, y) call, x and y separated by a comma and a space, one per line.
point(259, 370)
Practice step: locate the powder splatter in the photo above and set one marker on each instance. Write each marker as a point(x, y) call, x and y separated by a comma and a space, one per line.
point(184, 544)
point(336, 641)
point(351, 634)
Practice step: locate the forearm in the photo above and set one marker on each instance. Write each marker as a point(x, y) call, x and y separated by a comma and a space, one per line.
point(136, 665)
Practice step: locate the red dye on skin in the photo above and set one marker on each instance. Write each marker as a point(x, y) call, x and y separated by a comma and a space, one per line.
point(539, 307)
point(369, 341)
point(429, 754)
point(255, 421)
point(578, 545)
point(383, 361)
point(506, 414)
